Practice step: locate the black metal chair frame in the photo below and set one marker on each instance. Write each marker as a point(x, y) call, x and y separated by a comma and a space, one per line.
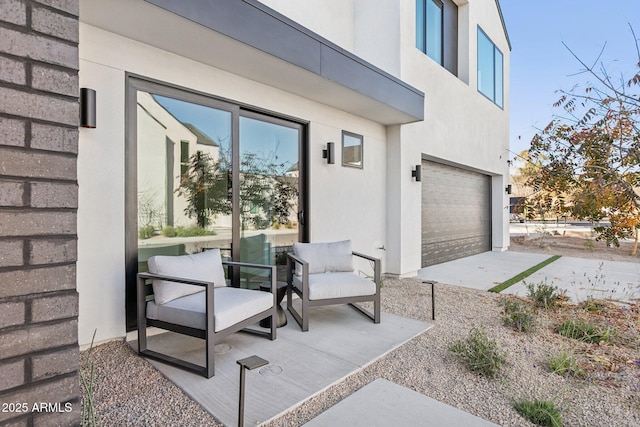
point(303, 318)
point(208, 334)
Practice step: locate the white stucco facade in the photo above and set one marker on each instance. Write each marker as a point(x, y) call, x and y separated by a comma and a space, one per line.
point(378, 206)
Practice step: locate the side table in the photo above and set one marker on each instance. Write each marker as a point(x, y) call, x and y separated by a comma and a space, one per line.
point(280, 293)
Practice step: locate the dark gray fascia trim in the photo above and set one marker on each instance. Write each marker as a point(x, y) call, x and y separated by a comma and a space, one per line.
point(254, 24)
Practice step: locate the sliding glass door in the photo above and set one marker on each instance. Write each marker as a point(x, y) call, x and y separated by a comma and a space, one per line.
point(204, 173)
point(269, 154)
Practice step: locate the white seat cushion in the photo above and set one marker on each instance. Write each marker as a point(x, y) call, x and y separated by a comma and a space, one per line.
point(206, 266)
point(230, 306)
point(336, 285)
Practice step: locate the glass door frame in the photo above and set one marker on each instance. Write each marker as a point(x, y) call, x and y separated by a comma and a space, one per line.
point(135, 83)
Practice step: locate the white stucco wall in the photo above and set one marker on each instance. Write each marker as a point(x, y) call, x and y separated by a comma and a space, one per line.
point(461, 127)
point(338, 211)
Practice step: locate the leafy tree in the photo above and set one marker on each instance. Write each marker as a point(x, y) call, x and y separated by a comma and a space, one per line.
point(591, 155)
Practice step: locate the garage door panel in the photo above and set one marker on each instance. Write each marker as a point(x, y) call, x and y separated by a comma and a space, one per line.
point(456, 213)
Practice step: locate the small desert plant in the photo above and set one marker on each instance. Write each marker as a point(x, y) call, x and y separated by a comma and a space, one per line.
point(583, 331)
point(593, 305)
point(480, 352)
point(146, 232)
point(564, 363)
point(539, 412)
point(543, 295)
point(88, 413)
point(193, 231)
point(518, 315)
point(169, 231)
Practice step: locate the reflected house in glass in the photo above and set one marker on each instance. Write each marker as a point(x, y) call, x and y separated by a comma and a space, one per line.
point(165, 145)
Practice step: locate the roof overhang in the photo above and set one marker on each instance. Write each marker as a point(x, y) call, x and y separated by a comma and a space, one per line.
point(249, 39)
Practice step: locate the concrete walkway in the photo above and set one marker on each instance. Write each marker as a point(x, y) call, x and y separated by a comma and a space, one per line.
point(581, 278)
point(383, 403)
point(340, 342)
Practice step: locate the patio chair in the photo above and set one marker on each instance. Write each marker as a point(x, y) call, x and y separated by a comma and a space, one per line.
point(191, 297)
point(323, 274)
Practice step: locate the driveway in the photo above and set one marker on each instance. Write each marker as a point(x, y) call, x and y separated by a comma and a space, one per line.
point(581, 278)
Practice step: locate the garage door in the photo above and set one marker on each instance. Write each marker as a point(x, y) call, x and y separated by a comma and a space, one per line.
point(456, 213)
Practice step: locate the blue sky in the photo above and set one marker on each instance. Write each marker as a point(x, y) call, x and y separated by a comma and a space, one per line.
point(540, 64)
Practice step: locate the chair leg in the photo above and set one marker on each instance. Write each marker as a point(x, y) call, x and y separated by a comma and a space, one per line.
point(376, 309)
point(305, 315)
point(210, 368)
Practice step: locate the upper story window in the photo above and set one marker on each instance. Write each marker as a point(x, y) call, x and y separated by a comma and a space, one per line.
point(490, 69)
point(429, 28)
point(437, 31)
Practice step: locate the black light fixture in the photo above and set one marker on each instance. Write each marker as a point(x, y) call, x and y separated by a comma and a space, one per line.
point(330, 153)
point(248, 363)
point(87, 108)
point(417, 173)
point(507, 189)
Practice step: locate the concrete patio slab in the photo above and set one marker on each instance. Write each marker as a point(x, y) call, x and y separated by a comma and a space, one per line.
point(340, 342)
point(584, 278)
point(383, 403)
point(482, 271)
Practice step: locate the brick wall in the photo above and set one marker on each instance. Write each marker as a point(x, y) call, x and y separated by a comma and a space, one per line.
point(38, 204)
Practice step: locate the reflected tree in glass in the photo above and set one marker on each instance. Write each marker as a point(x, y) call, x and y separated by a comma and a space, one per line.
point(206, 185)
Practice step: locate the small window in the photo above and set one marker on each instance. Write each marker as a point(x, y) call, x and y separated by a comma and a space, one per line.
point(352, 149)
point(490, 69)
point(184, 157)
point(429, 29)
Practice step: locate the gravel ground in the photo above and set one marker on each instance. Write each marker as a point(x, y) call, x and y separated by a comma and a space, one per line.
point(129, 391)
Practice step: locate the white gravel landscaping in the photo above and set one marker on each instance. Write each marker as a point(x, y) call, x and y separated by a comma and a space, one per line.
point(129, 391)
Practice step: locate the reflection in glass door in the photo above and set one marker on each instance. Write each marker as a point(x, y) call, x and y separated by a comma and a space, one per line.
point(269, 152)
point(183, 174)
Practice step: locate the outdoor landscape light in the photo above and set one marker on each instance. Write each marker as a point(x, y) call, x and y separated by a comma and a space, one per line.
point(87, 108)
point(507, 189)
point(417, 173)
point(248, 363)
point(329, 153)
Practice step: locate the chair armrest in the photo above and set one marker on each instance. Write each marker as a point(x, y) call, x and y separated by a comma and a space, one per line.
point(376, 266)
point(247, 264)
point(194, 282)
point(297, 260)
point(209, 296)
point(292, 260)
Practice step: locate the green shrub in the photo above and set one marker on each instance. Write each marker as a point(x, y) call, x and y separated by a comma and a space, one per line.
point(593, 305)
point(169, 231)
point(583, 331)
point(146, 232)
point(564, 363)
point(518, 315)
point(193, 231)
point(543, 295)
point(480, 352)
point(539, 412)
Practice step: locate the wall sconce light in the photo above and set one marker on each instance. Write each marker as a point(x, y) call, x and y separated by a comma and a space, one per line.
point(87, 108)
point(417, 173)
point(507, 189)
point(508, 162)
point(330, 153)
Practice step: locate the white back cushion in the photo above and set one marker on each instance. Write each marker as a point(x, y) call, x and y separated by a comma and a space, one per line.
point(205, 266)
point(325, 257)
